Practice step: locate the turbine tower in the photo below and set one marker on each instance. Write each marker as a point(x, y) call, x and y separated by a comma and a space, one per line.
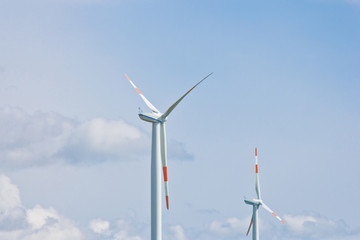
point(158, 157)
point(256, 203)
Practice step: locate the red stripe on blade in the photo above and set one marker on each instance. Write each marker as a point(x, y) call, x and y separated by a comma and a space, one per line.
point(249, 227)
point(167, 202)
point(165, 174)
point(255, 151)
point(256, 168)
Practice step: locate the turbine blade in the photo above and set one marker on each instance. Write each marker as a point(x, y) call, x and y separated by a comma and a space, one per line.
point(257, 181)
point(177, 102)
point(247, 233)
point(147, 102)
point(271, 211)
point(164, 161)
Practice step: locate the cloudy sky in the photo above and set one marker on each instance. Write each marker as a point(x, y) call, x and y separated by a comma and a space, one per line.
point(75, 157)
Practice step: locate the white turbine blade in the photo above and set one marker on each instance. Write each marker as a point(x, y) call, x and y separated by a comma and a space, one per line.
point(252, 217)
point(147, 102)
point(271, 211)
point(177, 102)
point(257, 181)
point(164, 161)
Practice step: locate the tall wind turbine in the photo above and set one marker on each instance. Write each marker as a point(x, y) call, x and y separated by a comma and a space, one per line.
point(158, 153)
point(256, 203)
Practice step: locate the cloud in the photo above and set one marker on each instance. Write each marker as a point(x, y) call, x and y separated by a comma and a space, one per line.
point(31, 139)
point(121, 230)
point(38, 216)
point(229, 228)
point(45, 138)
point(99, 139)
point(299, 227)
point(178, 232)
point(100, 227)
point(47, 224)
point(128, 228)
point(314, 226)
point(12, 214)
point(31, 224)
point(39, 223)
point(122, 235)
point(10, 197)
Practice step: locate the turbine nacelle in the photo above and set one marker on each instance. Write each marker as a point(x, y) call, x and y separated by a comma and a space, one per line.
point(255, 202)
point(152, 117)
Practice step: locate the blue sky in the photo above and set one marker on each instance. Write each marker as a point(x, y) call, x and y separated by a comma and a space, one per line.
point(75, 157)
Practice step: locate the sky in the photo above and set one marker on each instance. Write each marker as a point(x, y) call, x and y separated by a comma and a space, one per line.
point(75, 157)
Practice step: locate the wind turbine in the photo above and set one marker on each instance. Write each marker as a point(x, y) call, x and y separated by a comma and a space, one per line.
point(158, 153)
point(256, 203)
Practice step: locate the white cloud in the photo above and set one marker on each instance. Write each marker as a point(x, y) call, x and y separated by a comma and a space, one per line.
point(100, 139)
point(99, 226)
point(38, 216)
point(31, 224)
point(31, 139)
point(313, 226)
point(58, 228)
point(9, 194)
point(39, 223)
point(230, 227)
point(45, 138)
point(42, 138)
point(299, 227)
point(178, 232)
point(123, 235)
point(12, 215)
point(297, 223)
point(121, 230)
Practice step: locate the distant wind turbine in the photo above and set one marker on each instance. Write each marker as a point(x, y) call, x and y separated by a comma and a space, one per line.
point(158, 151)
point(256, 203)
